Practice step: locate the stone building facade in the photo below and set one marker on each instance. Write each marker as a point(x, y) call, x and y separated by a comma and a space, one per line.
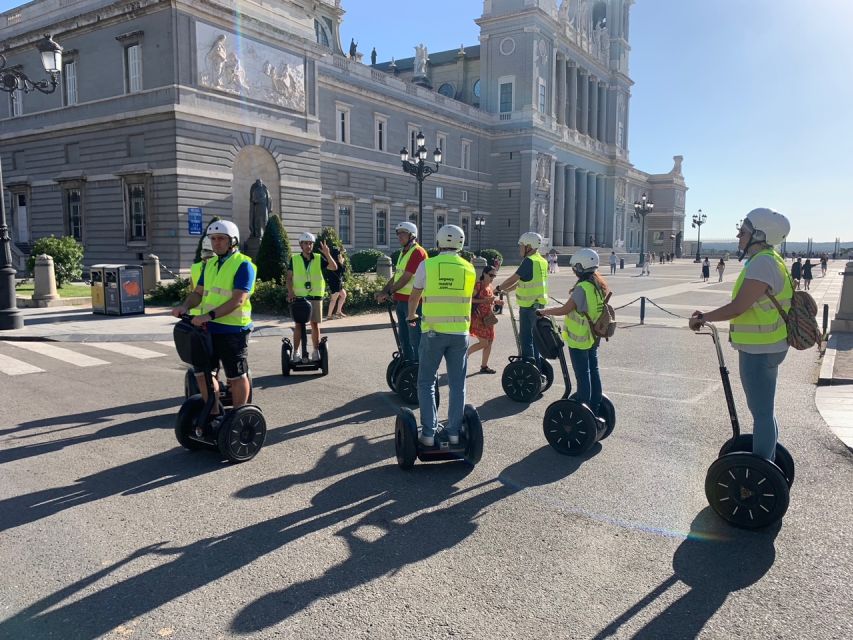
point(167, 106)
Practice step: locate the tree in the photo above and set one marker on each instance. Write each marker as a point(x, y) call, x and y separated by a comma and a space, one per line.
point(67, 256)
point(274, 252)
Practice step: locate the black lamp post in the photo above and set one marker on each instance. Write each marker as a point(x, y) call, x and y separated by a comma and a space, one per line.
point(421, 171)
point(698, 220)
point(642, 208)
point(480, 224)
point(16, 80)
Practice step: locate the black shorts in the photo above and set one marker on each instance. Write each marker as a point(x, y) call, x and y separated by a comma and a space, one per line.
point(232, 350)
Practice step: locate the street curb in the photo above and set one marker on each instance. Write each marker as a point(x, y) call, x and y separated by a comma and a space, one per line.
point(827, 368)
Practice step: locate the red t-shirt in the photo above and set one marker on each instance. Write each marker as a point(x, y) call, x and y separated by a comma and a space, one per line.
point(418, 256)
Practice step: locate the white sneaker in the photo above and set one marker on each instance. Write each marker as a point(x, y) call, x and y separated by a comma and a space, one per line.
point(453, 439)
point(315, 355)
point(427, 441)
point(294, 357)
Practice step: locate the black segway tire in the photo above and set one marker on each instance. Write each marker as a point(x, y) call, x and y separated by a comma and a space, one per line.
point(406, 438)
point(747, 491)
point(391, 371)
point(185, 422)
point(607, 411)
point(547, 371)
point(286, 351)
point(406, 384)
point(783, 458)
point(521, 381)
point(242, 433)
point(473, 435)
point(324, 357)
point(570, 427)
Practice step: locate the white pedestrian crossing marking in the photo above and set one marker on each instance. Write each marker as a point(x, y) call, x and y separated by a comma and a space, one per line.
point(126, 350)
point(58, 353)
point(166, 343)
point(12, 367)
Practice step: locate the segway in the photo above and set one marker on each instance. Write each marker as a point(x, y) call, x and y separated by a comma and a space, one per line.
point(570, 426)
point(300, 309)
point(744, 489)
point(191, 385)
point(522, 380)
point(402, 374)
point(409, 448)
point(240, 434)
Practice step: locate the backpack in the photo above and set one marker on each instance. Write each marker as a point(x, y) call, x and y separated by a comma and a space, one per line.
point(547, 337)
point(800, 320)
point(605, 326)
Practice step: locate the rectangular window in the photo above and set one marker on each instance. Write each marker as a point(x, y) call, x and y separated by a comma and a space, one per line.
point(542, 104)
point(466, 228)
point(345, 224)
point(69, 82)
point(342, 124)
point(381, 130)
point(439, 193)
point(16, 103)
point(441, 143)
point(413, 141)
point(74, 211)
point(440, 221)
point(137, 212)
point(465, 162)
point(506, 97)
point(133, 67)
point(381, 227)
point(413, 215)
point(464, 196)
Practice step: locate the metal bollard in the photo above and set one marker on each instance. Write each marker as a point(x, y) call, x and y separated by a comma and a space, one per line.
point(825, 318)
point(642, 309)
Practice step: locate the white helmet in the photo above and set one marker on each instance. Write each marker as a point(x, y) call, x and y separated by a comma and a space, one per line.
point(307, 237)
point(450, 237)
point(585, 261)
point(767, 226)
point(409, 227)
point(226, 228)
point(531, 239)
point(206, 248)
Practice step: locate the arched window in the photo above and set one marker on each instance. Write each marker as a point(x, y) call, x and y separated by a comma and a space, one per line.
point(447, 90)
point(321, 33)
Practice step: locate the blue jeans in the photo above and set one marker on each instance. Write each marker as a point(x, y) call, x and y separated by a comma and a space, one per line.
point(410, 337)
point(585, 364)
point(526, 319)
point(454, 349)
point(758, 372)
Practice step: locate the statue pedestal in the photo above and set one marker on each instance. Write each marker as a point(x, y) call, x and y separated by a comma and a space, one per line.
point(251, 246)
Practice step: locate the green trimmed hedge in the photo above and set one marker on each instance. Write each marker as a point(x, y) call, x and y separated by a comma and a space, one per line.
point(364, 261)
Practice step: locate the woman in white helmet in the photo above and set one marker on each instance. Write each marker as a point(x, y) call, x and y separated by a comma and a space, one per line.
point(757, 329)
point(584, 306)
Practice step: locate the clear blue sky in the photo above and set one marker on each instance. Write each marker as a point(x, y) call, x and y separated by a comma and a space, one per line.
point(755, 94)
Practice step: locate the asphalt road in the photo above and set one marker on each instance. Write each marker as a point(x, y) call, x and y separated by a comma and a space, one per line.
point(109, 529)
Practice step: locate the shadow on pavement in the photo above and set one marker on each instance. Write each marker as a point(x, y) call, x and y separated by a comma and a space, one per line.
point(502, 407)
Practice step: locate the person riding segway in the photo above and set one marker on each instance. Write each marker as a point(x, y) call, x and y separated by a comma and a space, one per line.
point(528, 374)
point(446, 283)
point(196, 269)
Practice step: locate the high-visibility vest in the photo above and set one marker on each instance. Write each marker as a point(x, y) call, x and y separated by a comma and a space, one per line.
point(314, 275)
point(576, 330)
point(219, 287)
point(402, 261)
point(762, 323)
point(447, 295)
point(536, 290)
point(196, 269)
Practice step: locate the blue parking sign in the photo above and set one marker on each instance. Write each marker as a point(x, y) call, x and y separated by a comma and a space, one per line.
point(194, 221)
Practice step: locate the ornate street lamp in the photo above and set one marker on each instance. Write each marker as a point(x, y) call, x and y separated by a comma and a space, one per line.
point(421, 171)
point(642, 208)
point(480, 224)
point(16, 80)
point(698, 220)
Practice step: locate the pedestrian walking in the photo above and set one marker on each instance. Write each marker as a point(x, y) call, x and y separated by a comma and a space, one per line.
point(797, 272)
point(552, 261)
point(706, 269)
point(721, 267)
point(612, 262)
point(335, 283)
point(823, 265)
point(483, 319)
point(647, 264)
point(807, 274)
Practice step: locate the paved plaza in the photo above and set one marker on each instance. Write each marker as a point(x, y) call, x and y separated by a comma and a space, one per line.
point(111, 530)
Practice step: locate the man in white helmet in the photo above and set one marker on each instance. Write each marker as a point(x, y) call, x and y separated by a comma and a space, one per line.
point(757, 329)
point(531, 283)
point(305, 280)
point(223, 292)
point(400, 286)
point(446, 283)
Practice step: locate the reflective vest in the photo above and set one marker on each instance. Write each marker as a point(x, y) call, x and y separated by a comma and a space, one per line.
point(576, 330)
point(536, 291)
point(219, 287)
point(762, 323)
point(447, 296)
point(195, 273)
point(402, 261)
point(314, 275)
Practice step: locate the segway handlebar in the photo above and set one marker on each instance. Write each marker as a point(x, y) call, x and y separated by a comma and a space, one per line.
point(715, 335)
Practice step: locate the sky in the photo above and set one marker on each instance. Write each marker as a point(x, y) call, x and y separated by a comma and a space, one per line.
point(753, 93)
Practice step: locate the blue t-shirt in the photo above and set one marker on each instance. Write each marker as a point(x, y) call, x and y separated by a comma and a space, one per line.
point(244, 279)
point(525, 270)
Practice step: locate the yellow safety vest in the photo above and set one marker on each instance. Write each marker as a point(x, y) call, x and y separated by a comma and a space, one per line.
point(314, 275)
point(762, 323)
point(536, 290)
point(447, 296)
point(219, 287)
point(402, 261)
point(196, 269)
point(576, 330)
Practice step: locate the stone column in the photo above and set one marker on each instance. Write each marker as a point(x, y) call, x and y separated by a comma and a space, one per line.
point(569, 209)
point(580, 211)
point(600, 212)
point(583, 116)
point(591, 194)
point(44, 288)
point(559, 203)
point(593, 107)
point(560, 81)
point(844, 314)
point(602, 111)
point(572, 119)
point(610, 225)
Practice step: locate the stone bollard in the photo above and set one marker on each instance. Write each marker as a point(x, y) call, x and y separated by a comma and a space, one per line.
point(383, 268)
point(479, 264)
point(844, 316)
point(150, 272)
point(45, 285)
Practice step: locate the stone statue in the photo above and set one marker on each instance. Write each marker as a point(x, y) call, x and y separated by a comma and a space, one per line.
point(216, 57)
point(353, 48)
point(542, 220)
point(543, 171)
point(563, 13)
point(373, 57)
point(676, 168)
point(260, 205)
point(421, 59)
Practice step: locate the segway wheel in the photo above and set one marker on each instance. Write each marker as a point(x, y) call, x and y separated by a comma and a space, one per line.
point(746, 491)
point(324, 357)
point(286, 351)
point(242, 433)
point(521, 381)
point(783, 458)
point(607, 411)
point(407, 382)
point(185, 422)
point(570, 427)
point(547, 371)
point(406, 438)
point(391, 371)
point(473, 435)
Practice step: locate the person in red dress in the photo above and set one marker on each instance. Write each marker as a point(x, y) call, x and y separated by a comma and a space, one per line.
point(484, 298)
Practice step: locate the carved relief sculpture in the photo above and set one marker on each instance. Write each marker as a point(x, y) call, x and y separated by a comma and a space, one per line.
point(543, 173)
